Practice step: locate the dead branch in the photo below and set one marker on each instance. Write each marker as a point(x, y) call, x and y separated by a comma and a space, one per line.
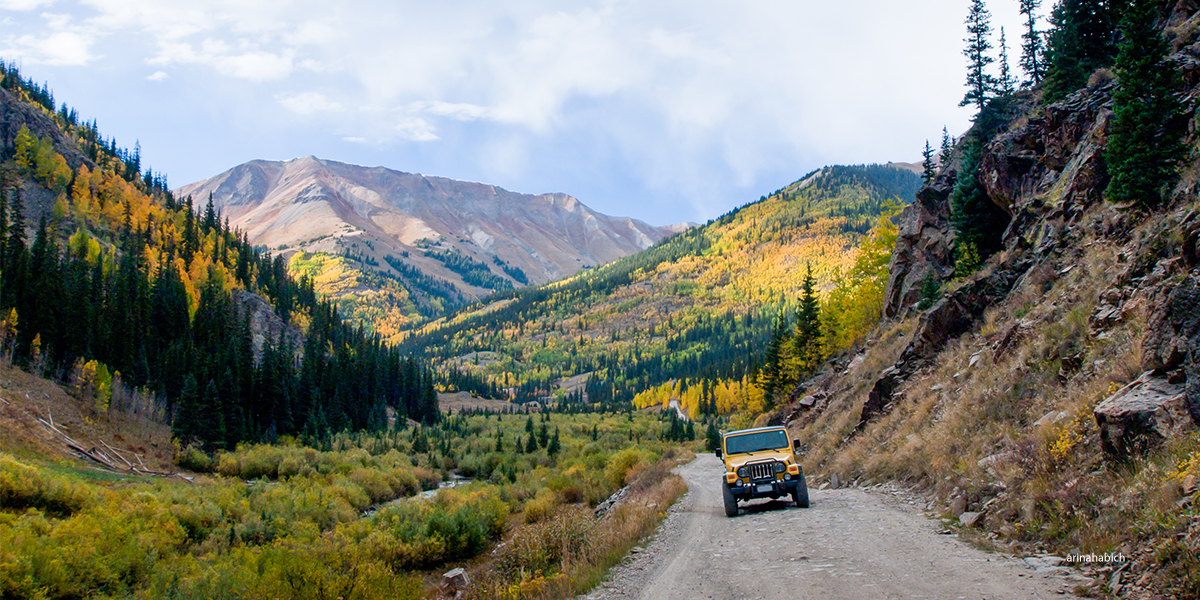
point(103, 459)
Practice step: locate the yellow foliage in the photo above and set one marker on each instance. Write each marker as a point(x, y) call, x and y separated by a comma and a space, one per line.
point(91, 381)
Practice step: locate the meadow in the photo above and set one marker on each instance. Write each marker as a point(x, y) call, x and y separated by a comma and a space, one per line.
point(350, 515)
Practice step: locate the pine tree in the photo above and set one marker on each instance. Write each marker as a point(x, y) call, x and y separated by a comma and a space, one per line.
point(187, 411)
point(14, 251)
point(978, 222)
point(712, 437)
point(1081, 41)
point(927, 171)
point(531, 445)
point(1032, 44)
point(1005, 84)
point(980, 84)
point(210, 215)
point(805, 350)
point(3, 226)
point(773, 363)
point(555, 445)
point(1144, 148)
point(947, 147)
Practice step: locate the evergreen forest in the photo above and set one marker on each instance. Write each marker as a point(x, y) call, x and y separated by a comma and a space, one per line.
point(124, 287)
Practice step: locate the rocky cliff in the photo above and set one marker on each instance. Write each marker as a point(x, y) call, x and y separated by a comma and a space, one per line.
point(1054, 394)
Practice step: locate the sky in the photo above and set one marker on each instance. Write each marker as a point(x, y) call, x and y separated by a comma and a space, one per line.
point(666, 111)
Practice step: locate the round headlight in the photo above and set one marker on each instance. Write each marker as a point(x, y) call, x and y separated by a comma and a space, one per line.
point(743, 472)
point(779, 468)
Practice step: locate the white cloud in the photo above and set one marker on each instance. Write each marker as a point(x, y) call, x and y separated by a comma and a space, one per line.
point(694, 97)
point(308, 103)
point(457, 111)
point(415, 129)
point(255, 65)
point(157, 76)
point(23, 5)
point(60, 44)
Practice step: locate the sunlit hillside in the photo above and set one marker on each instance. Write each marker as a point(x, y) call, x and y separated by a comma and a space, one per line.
point(699, 305)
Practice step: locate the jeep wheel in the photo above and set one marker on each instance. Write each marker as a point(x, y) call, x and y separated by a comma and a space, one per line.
point(731, 507)
point(800, 494)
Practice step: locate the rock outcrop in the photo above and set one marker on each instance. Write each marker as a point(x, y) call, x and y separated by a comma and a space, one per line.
point(1144, 412)
point(14, 114)
point(1044, 171)
point(924, 246)
point(1171, 346)
point(265, 324)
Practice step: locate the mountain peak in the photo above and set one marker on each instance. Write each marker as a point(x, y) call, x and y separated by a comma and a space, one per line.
point(314, 204)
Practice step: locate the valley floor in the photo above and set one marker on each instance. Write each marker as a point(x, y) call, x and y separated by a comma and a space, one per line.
point(850, 544)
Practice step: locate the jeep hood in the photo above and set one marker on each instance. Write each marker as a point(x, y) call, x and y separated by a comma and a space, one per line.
point(737, 460)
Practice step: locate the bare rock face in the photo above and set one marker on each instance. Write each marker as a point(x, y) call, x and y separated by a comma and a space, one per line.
point(880, 396)
point(1148, 410)
point(265, 324)
point(924, 246)
point(1049, 170)
point(1171, 345)
point(1045, 171)
point(14, 114)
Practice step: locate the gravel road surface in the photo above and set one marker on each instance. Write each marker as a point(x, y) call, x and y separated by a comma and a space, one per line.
point(850, 544)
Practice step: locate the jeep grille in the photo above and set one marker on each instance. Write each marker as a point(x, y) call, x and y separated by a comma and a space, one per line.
point(762, 470)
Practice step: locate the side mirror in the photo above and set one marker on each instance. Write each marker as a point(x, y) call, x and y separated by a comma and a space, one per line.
point(718, 452)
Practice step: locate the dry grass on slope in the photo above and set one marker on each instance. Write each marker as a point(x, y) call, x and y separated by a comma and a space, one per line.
point(26, 398)
point(1001, 420)
point(568, 552)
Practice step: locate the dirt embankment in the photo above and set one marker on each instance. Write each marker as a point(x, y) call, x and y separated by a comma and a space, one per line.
point(28, 404)
point(851, 544)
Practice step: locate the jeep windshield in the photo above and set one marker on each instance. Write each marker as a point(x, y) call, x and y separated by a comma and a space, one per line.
point(756, 442)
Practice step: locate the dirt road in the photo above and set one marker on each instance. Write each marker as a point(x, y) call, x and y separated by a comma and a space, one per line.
point(850, 544)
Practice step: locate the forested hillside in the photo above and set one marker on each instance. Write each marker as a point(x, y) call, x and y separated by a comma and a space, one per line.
point(700, 306)
point(111, 284)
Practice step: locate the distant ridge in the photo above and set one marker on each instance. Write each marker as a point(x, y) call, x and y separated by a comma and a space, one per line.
point(508, 238)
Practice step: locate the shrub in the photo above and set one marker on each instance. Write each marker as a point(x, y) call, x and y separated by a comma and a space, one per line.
point(193, 458)
point(22, 486)
point(623, 463)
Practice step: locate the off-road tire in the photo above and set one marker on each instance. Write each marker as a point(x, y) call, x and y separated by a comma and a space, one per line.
point(800, 494)
point(731, 507)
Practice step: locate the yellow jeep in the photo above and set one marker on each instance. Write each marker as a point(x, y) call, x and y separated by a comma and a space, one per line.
point(760, 463)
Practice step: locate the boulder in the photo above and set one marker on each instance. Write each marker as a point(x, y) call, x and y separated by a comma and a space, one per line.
point(611, 502)
point(969, 519)
point(1144, 412)
point(1172, 339)
point(959, 506)
point(456, 580)
point(880, 395)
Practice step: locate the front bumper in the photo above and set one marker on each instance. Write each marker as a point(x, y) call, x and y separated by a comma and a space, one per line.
point(766, 489)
